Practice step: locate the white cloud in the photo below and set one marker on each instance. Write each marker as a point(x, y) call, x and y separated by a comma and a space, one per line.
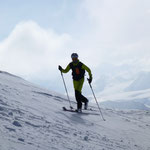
point(31, 50)
point(120, 30)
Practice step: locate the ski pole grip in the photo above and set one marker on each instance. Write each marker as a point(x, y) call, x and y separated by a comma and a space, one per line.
point(89, 83)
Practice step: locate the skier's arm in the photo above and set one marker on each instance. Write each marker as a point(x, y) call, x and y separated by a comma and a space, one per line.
point(66, 69)
point(88, 70)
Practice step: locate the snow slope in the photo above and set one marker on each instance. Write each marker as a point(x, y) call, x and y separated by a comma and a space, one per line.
point(31, 119)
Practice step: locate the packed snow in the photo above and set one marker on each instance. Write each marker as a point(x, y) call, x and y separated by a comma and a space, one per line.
point(31, 118)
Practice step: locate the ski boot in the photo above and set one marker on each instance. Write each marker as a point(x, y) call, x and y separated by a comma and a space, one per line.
point(86, 105)
point(79, 110)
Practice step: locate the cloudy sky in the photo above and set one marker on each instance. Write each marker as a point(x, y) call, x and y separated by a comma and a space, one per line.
point(36, 36)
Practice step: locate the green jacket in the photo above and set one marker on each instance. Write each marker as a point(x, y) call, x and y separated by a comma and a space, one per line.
point(84, 67)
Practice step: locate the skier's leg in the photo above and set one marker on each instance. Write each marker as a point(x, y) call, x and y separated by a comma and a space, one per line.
point(78, 99)
point(83, 99)
point(80, 85)
point(77, 88)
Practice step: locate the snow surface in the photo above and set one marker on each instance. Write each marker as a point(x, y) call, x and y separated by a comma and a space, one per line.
point(31, 118)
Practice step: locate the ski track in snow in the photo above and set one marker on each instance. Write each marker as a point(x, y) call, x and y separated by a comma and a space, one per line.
point(32, 118)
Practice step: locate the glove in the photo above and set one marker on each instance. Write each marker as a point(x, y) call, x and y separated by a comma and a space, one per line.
point(60, 68)
point(90, 80)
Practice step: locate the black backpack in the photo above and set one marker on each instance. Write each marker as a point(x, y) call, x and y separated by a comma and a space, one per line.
point(77, 71)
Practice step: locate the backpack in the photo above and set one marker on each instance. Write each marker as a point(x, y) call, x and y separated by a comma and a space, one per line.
point(77, 71)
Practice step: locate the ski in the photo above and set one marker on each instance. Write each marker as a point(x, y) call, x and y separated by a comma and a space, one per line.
point(73, 110)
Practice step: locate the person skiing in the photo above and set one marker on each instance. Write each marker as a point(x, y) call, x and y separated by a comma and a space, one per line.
point(78, 72)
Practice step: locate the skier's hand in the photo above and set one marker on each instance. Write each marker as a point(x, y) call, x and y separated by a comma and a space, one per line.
point(90, 80)
point(60, 68)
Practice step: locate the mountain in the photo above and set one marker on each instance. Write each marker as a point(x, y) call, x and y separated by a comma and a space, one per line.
point(139, 100)
point(31, 118)
point(115, 79)
point(136, 95)
point(142, 82)
point(130, 104)
point(111, 78)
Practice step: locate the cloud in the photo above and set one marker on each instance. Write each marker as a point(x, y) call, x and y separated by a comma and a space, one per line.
point(34, 53)
point(120, 31)
point(30, 50)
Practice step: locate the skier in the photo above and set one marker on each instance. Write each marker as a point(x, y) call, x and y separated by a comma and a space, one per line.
point(78, 72)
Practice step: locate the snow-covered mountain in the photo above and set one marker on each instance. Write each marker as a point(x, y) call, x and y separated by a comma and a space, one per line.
point(123, 87)
point(133, 93)
point(130, 104)
point(142, 82)
point(31, 118)
point(120, 78)
point(111, 79)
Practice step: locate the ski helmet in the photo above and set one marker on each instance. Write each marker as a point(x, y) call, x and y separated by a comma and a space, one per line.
point(74, 55)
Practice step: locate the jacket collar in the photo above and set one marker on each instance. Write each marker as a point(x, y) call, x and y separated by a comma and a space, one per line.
point(75, 63)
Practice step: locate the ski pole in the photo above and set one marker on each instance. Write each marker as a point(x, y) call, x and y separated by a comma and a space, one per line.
point(66, 90)
point(97, 102)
